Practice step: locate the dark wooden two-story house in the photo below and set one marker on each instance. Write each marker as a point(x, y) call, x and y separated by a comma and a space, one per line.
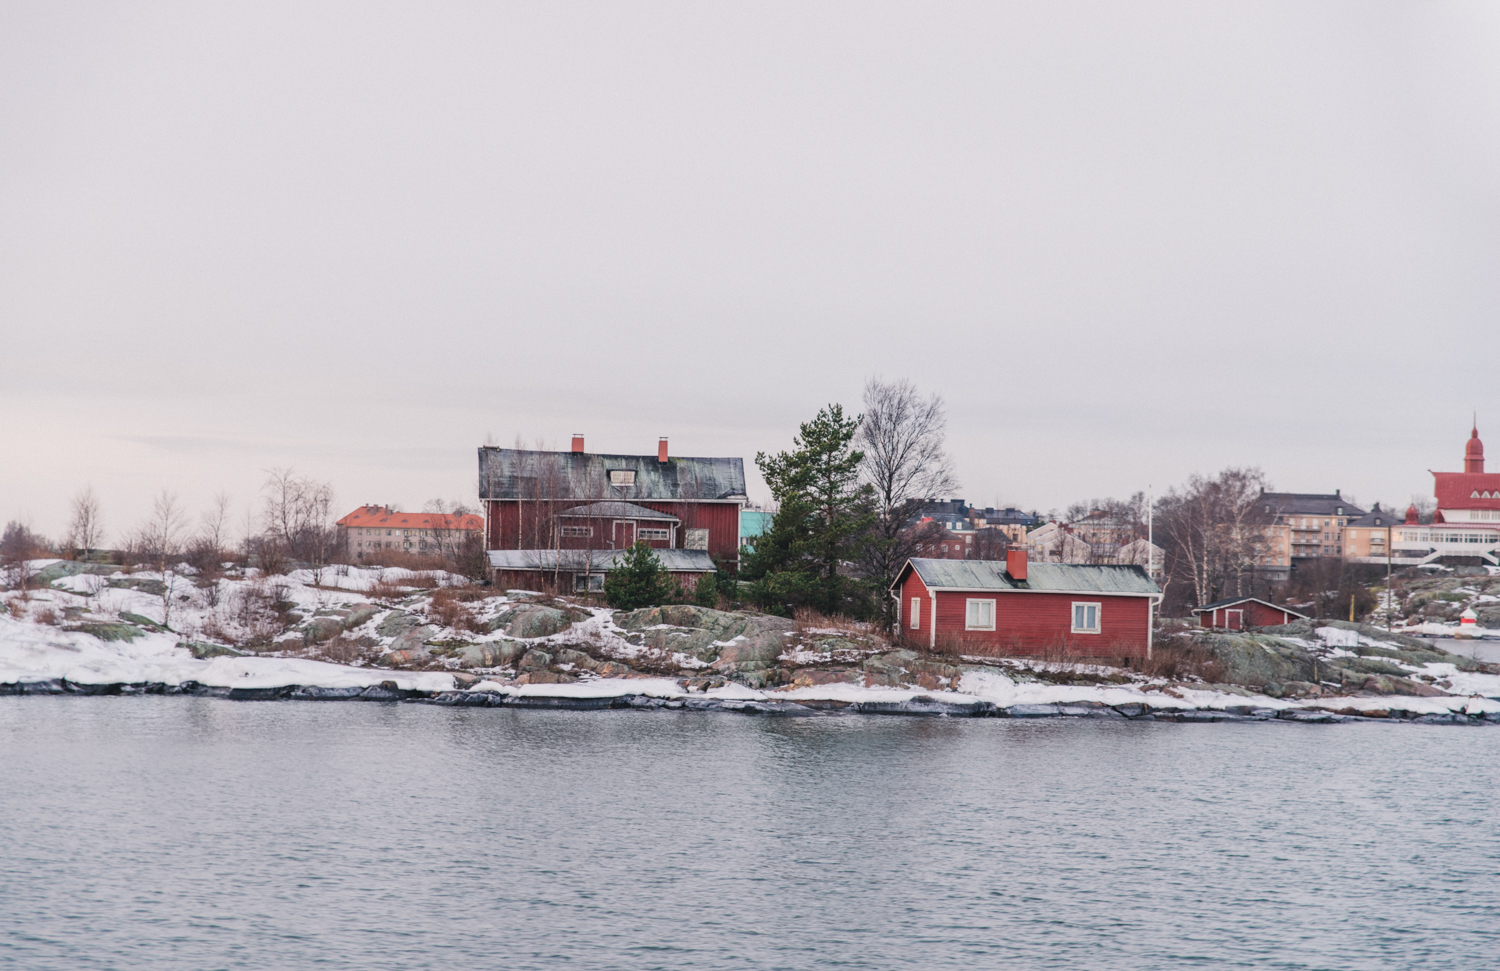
point(561, 520)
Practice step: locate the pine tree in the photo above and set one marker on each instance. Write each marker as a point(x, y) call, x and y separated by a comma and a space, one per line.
point(823, 519)
point(706, 593)
point(639, 580)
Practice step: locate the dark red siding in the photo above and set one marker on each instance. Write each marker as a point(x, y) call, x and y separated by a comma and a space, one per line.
point(1032, 623)
point(1255, 615)
point(526, 524)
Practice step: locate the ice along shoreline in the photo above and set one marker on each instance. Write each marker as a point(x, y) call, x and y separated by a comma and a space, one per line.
point(664, 695)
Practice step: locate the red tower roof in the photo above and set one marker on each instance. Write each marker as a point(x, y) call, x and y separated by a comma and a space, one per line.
point(1412, 516)
point(1474, 452)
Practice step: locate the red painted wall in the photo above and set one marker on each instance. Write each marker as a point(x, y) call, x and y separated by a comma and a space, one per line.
point(1031, 623)
point(1256, 615)
point(914, 587)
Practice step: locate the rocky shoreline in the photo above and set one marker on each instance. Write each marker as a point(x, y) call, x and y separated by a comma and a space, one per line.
point(916, 706)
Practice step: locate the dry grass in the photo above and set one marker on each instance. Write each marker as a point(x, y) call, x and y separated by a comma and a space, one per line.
point(342, 649)
point(407, 561)
point(388, 590)
point(1179, 661)
point(810, 621)
point(1062, 653)
point(450, 608)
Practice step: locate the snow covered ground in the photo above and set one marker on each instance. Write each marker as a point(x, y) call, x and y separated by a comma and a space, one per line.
point(34, 647)
point(35, 652)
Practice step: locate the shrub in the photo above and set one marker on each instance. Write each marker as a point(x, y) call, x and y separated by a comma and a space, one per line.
point(639, 580)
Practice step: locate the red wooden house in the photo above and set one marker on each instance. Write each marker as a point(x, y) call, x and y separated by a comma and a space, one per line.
point(1239, 613)
point(562, 518)
point(1016, 608)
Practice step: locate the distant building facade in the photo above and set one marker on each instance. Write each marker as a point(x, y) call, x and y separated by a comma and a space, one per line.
point(371, 529)
point(1302, 526)
point(1466, 526)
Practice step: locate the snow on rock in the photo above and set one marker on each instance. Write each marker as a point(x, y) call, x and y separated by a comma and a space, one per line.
point(34, 652)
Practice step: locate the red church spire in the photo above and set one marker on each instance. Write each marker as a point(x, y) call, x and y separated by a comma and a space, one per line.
point(1474, 451)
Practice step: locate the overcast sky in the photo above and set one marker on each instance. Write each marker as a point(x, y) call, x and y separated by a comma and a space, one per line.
point(1125, 242)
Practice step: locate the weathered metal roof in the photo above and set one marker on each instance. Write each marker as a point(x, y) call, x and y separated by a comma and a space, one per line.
point(1061, 577)
point(509, 473)
point(616, 510)
point(1307, 504)
point(576, 561)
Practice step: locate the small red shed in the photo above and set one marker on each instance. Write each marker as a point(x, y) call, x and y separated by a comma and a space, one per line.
point(1239, 613)
point(1016, 608)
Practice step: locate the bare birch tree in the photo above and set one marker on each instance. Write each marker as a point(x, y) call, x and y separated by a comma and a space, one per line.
point(1215, 532)
point(161, 540)
point(905, 462)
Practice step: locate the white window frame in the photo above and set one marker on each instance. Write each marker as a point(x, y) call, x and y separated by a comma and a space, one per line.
point(916, 613)
point(695, 539)
point(1098, 616)
point(969, 605)
point(588, 583)
point(652, 534)
point(622, 477)
point(578, 531)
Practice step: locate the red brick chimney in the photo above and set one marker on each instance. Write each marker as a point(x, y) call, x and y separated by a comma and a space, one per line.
point(661, 449)
point(1015, 564)
point(578, 441)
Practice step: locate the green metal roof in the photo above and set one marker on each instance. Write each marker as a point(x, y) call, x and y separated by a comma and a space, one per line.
point(1061, 577)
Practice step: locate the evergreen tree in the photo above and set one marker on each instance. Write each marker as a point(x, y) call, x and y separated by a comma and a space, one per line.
point(823, 520)
point(639, 580)
point(706, 594)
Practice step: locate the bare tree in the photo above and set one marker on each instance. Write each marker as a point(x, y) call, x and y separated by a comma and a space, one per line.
point(902, 438)
point(1214, 532)
point(206, 550)
point(299, 518)
point(160, 539)
point(85, 526)
point(18, 544)
point(215, 531)
point(990, 543)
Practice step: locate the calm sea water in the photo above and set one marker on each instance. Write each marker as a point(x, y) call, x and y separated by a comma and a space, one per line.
point(196, 833)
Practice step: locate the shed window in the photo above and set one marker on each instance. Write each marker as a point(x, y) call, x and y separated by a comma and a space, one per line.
point(916, 613)
point(980, 615)
point(622, 477)
point(578, 530)
point(588, 582)
point(695, 539)
point(653, 534)
point(1085, 618)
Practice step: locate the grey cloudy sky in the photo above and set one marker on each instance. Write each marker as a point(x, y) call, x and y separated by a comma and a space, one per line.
point(1126, 242)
